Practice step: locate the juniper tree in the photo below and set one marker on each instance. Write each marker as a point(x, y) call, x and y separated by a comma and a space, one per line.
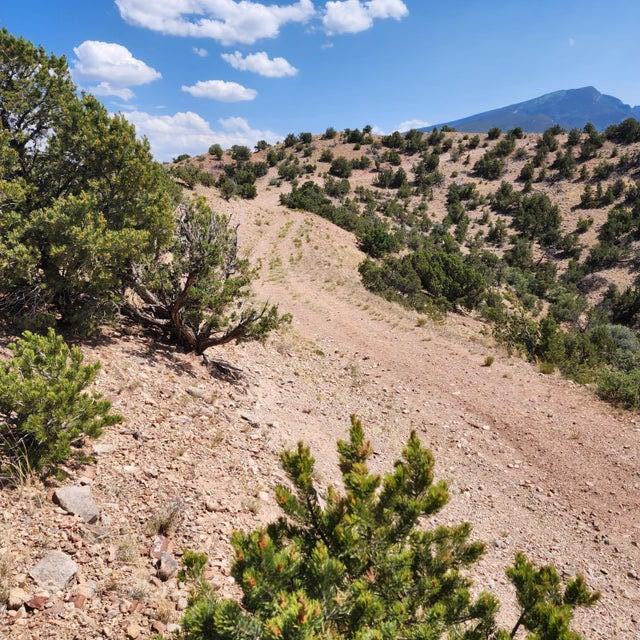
point(365, 563)
point(198, 292)
point(44, 406)
point(81, 196)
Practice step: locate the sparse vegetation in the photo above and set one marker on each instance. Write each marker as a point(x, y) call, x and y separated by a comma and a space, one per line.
point(44, 404)
point(358, 565)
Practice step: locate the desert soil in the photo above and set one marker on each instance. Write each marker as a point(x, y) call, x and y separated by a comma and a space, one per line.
point(534, 462)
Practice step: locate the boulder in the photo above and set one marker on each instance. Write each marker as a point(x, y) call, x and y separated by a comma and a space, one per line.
point(78, 501)
point(54, 571)
point(167, 566)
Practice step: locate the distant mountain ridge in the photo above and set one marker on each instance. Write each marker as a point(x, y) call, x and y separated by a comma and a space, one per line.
point(569, 108)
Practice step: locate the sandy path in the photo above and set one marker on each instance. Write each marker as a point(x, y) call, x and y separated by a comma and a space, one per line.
point(538, 463)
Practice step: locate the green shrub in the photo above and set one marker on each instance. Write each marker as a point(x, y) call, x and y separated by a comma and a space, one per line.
point(494, 133)
point(326, 156)
point(490, 166)
point(340, 168)
point(356, 564)
point(87, 197)
point(620, 387)
point(330, 133)
point(44, 405)
point(198, 293)
point(216, 151)
point(627, 132)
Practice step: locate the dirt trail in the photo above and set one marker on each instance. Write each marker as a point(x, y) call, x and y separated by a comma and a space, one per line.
point(536, 462)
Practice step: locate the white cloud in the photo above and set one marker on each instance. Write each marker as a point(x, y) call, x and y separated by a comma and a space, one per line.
point(105, 89)
point(227, 21)
point(113, 67)
point(220, 90)
point(260, 63)
point(353, 16)
point(407, 125)
point(188, 132)
point(200, 52)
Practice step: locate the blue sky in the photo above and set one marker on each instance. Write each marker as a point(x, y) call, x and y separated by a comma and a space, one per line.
point(299, 65)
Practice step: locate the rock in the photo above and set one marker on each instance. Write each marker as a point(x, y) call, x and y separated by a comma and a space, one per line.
point(247, 417)
point(158, 627)
point(17, 597)
point(167, 566)
point(54, 571)
point(159, 546)
point(197, 392)
point(172, 627)
point(133, 631)
point(78, 501)
point(37, 602)
point(78, 600)
point(102, 447)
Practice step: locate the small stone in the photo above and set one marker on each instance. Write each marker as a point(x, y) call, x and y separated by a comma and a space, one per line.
point(197, 392)
point(54, 571)
point(37, 602)
point(158, 547)
point(172, 627)
point(133, 631)
point(101, 448)
point(247, 417)
point(167, 566)
point(210, 506)
point(78, 600)
point(78, 501)
point(158, 626)
point(17, 597)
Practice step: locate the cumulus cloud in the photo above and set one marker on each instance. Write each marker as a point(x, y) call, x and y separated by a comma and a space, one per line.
point(220, 90)
point(104, 89)
point(188, 132)
point(407, 125)
point(200, 52)
point(260, 63)
point(353, 16)
point(227, 21)
point(113, 67)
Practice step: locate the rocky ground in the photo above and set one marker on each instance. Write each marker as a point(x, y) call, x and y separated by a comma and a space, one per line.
point(535, 462)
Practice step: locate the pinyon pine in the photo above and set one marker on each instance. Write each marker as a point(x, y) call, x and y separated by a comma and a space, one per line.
point(44, 405)
point(369, 564)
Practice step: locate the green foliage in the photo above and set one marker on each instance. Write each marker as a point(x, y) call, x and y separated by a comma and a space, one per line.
point(84, 196)
point(329, 134)
point(190, 175)
point(494, 133)
point(620, 387)
point(340, 167)
point(435, 274)
point(490, 166)
point(357, 564)
point(537, 217)
point(627, 132)
point(216, 151)
point(198, 293)
point(44, 406)
point(240, 153)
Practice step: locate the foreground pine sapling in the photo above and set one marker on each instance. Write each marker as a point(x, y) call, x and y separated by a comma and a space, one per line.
point(363, 564)
point(44, 403)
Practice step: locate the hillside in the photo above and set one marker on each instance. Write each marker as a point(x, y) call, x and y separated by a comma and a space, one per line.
point(567, 108)
point(535, 462)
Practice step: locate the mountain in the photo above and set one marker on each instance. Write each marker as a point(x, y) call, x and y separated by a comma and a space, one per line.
point(568, 108)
